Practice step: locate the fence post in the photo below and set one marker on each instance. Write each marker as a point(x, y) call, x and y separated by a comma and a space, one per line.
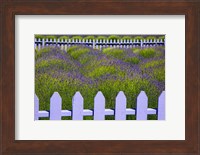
point(43, 43)
point(65, 44)
point(161, 106)
point(35, 43)
point(141, 42)
point(36, 107)
point(46, 42)
point(55, 43)
point(77, 106)
point(141, 107)
point(99, 106)
point(61, 46)
point(93, 43)
point(55, 106)
point(120, 106)
point(51, 42)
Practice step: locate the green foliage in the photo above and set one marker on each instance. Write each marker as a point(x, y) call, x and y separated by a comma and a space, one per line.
point(117, 53)
point(102, 70)
point(71, 49)
point(51, 63)
point(136, 50)
point(113, 37)
point(126, 38)
point(153, 64)
point(151, 38)
point(39, 37)
point(147, 52)
point(133, 60)
point(38, 53)
point(159, 74)
point(101, 38)
point(52, 76)
point(76, 53)
point(63, 37)
point(89, 37)
point(77, 38)
point(51, 37)
point(139, 38)
point(161, 37)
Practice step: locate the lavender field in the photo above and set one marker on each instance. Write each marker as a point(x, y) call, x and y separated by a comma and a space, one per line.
point(109, 70)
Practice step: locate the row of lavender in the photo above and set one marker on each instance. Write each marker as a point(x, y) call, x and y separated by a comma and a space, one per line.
point(40, 43)
point(141, 111)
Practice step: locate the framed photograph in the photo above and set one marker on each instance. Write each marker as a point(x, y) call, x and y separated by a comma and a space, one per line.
point(107, 77)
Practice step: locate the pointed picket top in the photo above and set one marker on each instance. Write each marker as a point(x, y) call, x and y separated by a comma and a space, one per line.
point(141, 106)
point(77, 97)
point(56, 97)
point(121, 97)
point(55, 106)
point(77, 106)
point(36, 107)
point(161, 106)
point(99, 106)
point(99, 95)
point(120, 106)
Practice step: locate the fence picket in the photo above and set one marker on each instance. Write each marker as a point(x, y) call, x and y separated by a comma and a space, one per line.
point(99, 106)
point(161, 106)
point(141, 106)
point(55, 106)
point(36, 107)
point(120, 106)
point(99, 111)
point(77, 106)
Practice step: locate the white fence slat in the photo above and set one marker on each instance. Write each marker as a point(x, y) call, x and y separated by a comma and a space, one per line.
point(55, 107)
point(161, 106)
point(141, 106)
point(36, 107)
point(120, 106)
point(77, 106)
point(99, 111)
point(99, 106)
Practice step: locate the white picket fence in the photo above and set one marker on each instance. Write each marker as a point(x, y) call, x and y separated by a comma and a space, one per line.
point(64, 44)
point(99, 112)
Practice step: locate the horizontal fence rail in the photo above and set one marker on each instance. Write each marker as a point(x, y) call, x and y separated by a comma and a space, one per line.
point(99, 112)
point(64, 43)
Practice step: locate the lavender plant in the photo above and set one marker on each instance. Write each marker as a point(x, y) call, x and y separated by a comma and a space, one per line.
point(91, 70)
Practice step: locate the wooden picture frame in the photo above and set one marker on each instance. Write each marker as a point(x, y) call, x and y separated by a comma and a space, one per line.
point(8, 10)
